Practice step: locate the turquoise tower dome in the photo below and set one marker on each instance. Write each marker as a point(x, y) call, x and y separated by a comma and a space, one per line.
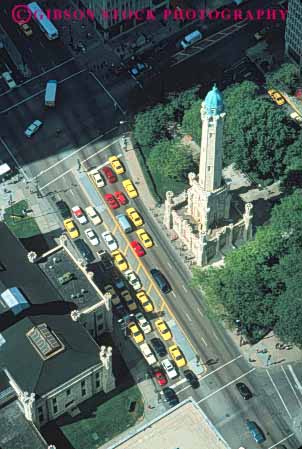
point(214, 102)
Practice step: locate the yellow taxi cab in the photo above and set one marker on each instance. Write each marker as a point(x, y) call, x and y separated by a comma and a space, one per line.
point(130, 189)
point(144, 238)
point(71, 228)
point(130, 303)
point(116, 165)
point(136, 333)
point(163, 329)
point(134, 216)
point(145, 301)
point(119, 260)
point(276, 97)
point(177, 356)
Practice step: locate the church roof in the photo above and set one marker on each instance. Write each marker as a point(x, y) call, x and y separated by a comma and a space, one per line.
point(214, 102)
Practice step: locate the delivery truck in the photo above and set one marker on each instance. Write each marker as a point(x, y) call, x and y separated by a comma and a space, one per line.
point(50, 93)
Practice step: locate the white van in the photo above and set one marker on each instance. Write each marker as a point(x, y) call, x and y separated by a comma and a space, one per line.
point(191, 39)
point(9, 80)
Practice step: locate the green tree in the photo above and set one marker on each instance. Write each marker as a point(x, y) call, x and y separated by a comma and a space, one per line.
point(170, 159)
point(286, 78)
point(182, 101)
point(234, 95)
point(191, 122)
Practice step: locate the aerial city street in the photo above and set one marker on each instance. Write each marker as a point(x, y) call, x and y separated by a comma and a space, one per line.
point(151, 224)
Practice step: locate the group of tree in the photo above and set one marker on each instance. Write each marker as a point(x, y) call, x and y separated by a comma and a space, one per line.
point(260, 283)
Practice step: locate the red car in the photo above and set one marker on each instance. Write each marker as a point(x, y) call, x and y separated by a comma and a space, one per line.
point(109, 175)
point(139, 250)
point(160, 378)
point(111, 201)
point(121, 198)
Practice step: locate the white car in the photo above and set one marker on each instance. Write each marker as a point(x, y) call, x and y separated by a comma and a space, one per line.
point(143, 323)
point(114, 298)
point(9, 80)
point(33, 128)
point(296, 117)
point(133, 279)
point(93, 215)
point(169, 369)
point(97, 178)
point(92, 237)
point(79, 215)
point(148, 354)
point(110, 240)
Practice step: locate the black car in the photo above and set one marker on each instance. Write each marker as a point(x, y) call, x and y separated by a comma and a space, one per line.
point(120, 311)
point(191, 378)
point(244, 391)
point(158, 347)
point(84, 250)
point(63, 209)
point(106, 260)
point(170, 396)
point(161, 280)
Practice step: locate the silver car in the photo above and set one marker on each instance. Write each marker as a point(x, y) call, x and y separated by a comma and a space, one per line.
point(33, 128)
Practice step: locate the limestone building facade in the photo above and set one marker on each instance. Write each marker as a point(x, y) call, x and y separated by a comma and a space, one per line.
point(200, 216)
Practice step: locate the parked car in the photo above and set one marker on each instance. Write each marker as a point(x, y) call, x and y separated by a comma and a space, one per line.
point(138, 249)
point(109, 175)
point(130, 303)
point(296, 117)
point(244, 391)
point(63, 209)
point(121, 312)
point(143, 323)
point(177, 356)
point(121, 198)
point(114, 297)
point(118, 281)
point(136, 333)
point(71, 228)
point(109, 240)
point(163, 329)
point(276, 97)
point(133, 279)
point(105, 260)
point(161, 281)
point(130, 189)
point(111, 201)
point(97, 178)
point(26, 29)
point(116, 165)
point(160, 377)
point(144, 238)
point(137, 69)
point(148, 354)
point(79, 215)
point(93, 215)
point(145, 301)
point(158, 347)
point(33, 128)
point(134, 216)
point(169, 369)
point(119, 260)
point(192, 378)
point(255, 431)
point(170, 396)
point(9, 81)
point(92, 236)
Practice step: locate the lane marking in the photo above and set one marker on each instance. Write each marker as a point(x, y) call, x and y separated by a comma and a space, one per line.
point(278, 393)
point(75, 152)
point(180, 382)
point(169, 265)
point(101, 149)
point(188, 316)
point(39, 93)
point(215, 335)
point(225, 386)
point(115, 102)
point(295, 378)
point(282, 441)
point(291, 386)
point(173, 294)
point(204, 341)
point(139, 266)
point(149, 289)
point(14, 159)
point(200, 312)
point(222, 366)
point(114, 229)
point(185, 289)
point(56, 179)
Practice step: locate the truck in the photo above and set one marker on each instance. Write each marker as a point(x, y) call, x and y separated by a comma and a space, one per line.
point(50, 93)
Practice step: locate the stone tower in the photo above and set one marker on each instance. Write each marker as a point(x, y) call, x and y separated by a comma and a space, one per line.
point(208, 198)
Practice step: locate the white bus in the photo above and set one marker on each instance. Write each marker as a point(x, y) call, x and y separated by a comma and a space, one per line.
point(190, 39)
point(42, 20)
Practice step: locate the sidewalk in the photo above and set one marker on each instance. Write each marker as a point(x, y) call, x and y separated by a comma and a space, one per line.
point(266, 353)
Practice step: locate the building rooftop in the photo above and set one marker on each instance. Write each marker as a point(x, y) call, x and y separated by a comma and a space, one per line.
point(184, 427)
point(214, 102)
point(16, 432)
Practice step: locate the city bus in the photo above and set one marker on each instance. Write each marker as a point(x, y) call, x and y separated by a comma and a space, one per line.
point(42, 20)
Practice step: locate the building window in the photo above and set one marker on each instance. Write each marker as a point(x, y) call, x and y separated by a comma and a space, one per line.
point(100, 316)
point(68, 392)
point(209, 168)
point(83, 392)
point(55, 409)
point(100, 327)
point(97, 384)
point(83, 383)
point(40, 413)
point(91, 332)
point(97, 375)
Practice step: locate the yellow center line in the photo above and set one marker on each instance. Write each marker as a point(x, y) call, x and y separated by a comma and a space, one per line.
point(114, 230)
point(139, 266)
point(149, 289)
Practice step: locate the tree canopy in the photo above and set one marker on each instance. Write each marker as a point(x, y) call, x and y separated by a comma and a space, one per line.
point(286, 78)
point(260, 283)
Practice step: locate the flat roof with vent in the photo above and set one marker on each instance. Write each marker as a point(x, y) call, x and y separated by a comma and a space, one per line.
point(45, 341)
point(15, 300)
